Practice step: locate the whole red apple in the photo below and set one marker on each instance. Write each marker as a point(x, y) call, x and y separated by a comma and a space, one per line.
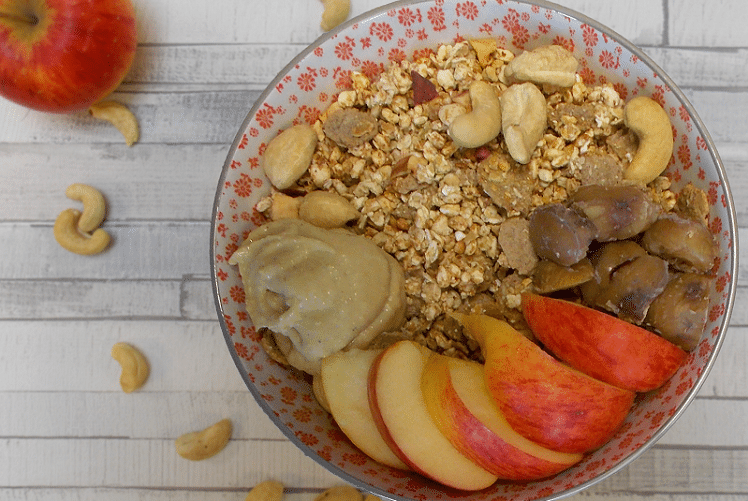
point(61, 56)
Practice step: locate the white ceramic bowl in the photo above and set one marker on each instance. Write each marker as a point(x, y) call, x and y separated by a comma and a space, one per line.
point(309, 84)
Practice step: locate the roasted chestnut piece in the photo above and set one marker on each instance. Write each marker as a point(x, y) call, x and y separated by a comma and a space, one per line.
point(551, 277)
point(686, 244)
point(679, 314)
point(627, 280)
point(560, 234)
point(618, 212)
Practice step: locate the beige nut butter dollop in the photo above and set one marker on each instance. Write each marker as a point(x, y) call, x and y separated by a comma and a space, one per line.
point(319, 290)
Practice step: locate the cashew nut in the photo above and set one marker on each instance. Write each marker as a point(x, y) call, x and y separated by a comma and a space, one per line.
point(289, 154)
point(71, 238)
point(651, 125)
point(483, 123)
point(134, 366)
point(549, 64)
point(120, 116)
point(325, 209)
point(269, 490)
point(94, 207)
point(340, 493)
point(523, 119)
point(336, 11)
point(199, 445)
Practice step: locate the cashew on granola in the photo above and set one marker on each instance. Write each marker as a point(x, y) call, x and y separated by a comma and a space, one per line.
point(134, 365)
point(336, 11)
point(483, 122)
point(549, 64)
point(203, 444)
point(523, 117)
point(120, 116)
point(289, 154)
point(327, 210)
point(651, 124)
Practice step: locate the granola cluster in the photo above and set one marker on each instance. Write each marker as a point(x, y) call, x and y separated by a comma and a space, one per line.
point(451, 216)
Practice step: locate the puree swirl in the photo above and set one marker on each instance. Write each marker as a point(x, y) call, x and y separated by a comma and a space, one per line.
point(319, 290)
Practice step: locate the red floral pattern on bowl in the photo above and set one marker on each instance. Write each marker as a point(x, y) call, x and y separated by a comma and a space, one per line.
point(404, 30)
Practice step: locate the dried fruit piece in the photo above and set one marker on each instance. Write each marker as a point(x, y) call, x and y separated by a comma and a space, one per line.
point(423, 89)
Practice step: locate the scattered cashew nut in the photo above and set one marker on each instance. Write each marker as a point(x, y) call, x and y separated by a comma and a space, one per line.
point(269, 490)
point(289, 154)
point(134, 366)
point(336, 11)
point(199, 445)
point(340, 493)
point(71, 238)
point(523, 119)
point(94, 206)
point(483, 122)
point(549, 64)
point(325, 209)
point(651, 124)
point(120, 116)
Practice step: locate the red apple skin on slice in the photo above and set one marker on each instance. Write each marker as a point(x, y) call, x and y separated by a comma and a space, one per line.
point(404, 422)
point(602, 346)
point(344, 378)
point(464, 411)
point(543, 399)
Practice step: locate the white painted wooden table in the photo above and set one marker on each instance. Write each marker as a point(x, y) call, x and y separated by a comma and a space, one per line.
point(67, 432)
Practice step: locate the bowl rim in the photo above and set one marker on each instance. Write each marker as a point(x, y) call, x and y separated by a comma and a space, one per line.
point(634, 49)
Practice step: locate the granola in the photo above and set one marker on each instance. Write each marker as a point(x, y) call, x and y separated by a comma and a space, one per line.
point(441, 210)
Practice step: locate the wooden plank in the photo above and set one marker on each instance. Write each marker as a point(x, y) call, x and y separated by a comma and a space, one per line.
point(678, 470)
point(141, 416)
point(173, 345)
point(144, 251)
point(174, 494)
point(147, 182)
point(139, 251)
point(74, 356)
point(700, 67)
point(167, 21)
point(177, 118)
point(113, 462)
point(237, 494)
point(258, 64)
point(164, 181)
point(153, 463)
point(214, 117)
point(694, 23)
point(38, 299)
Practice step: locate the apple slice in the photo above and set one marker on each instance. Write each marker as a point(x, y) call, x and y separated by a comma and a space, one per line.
point(543, 399)
point(404, 421)
point(601, 345)
point(464, 411)
point(344, 376)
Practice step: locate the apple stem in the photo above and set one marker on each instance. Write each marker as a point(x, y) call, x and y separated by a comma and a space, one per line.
point(20, 18)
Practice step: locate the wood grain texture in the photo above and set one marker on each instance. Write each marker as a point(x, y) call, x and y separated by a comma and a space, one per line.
point(68, 432)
